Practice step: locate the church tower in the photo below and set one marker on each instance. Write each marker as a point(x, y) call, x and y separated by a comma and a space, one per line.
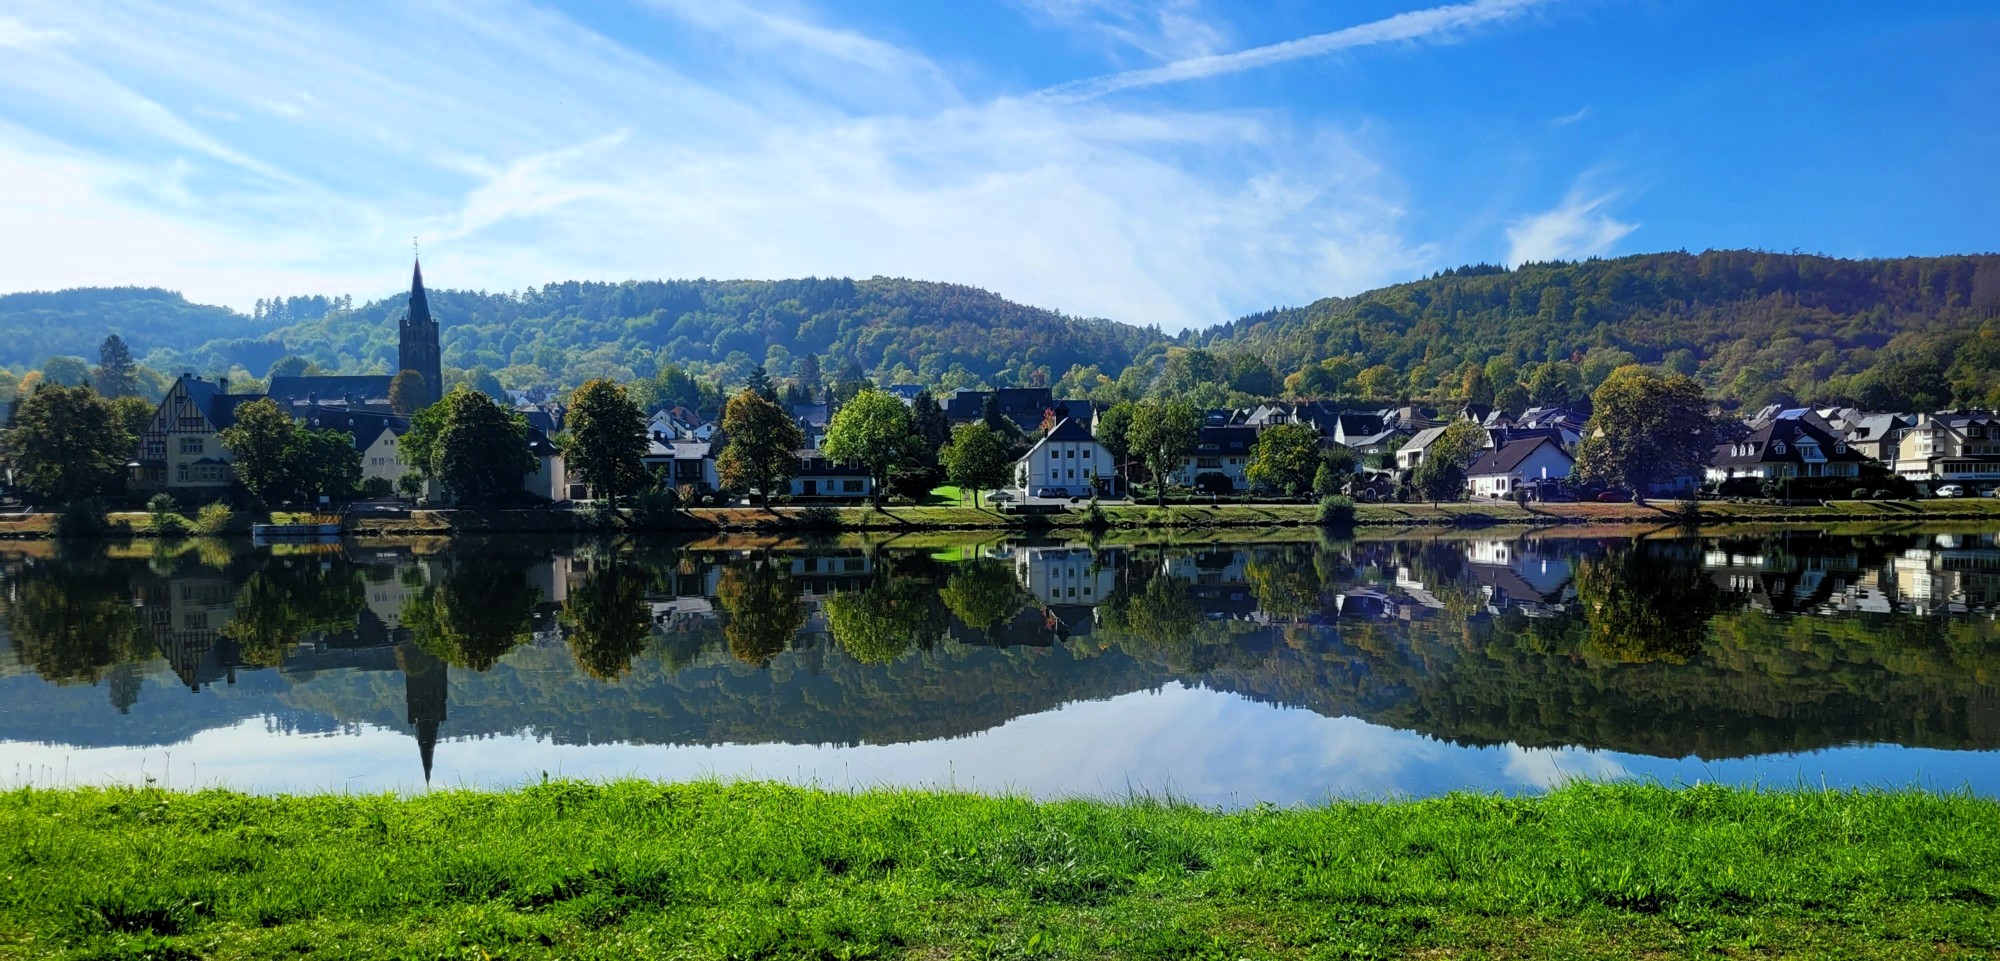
point(417, 349)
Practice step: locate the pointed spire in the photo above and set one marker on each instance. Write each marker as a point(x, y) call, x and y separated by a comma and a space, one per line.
point(420, 305)
point(427, 739)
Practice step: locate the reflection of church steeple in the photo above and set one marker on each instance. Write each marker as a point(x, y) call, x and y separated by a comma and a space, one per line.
point(424, 693)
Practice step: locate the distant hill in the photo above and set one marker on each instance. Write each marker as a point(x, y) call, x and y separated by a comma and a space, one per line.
point(1756, 326)
point(895, 329)
point(39, 325)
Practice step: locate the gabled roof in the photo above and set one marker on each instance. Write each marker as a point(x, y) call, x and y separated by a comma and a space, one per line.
point(1507, 457)
point(1069, 429)
point(1791, 429)
point(1421, 441)
point(1226, 440)
point(362, 387)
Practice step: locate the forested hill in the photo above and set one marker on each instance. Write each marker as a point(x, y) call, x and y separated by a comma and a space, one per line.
point(39, 325)
point(1914, 331)
point(897, 330)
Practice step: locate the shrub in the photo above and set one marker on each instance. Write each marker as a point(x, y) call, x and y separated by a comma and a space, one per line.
point(213, 519)
point(1093, 516)
point(817, 517)
point(1336, 511)
point(81, 518)
point(597, 515)
point(1860, 494)
point(1883, 495)
point(656, 508)
point(164, 514)
point(377, 487)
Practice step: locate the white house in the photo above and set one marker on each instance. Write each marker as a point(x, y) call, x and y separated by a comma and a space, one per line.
point(1497, 472)
point(1068, 459)
point(819, 477)
point(382, 458)
point(1221, 450)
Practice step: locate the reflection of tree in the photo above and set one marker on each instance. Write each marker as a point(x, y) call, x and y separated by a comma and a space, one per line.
point(982, 593)
point(1646, 605)
point(1285, 580)
point(608, 619)
point(880, 623)
point(1163, 613)
point(73, 619)
point(478, 611)
point(290, 597)
point(764, 611)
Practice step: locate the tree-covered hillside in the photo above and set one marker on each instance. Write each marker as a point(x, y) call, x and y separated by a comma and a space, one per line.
point(1915, 331)
point(895, 330)
point(71, 323)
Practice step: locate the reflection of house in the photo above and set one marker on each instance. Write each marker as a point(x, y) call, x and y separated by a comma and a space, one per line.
point(820, 573)
point(1063, 575)
point(1517, 575)
point(186, 624)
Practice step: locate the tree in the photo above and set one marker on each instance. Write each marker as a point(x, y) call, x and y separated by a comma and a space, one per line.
point(1555, 384)
point(406, 392)
point(67, 443)
point(608, 619)
point(879, 624)
point(929, 422)
point(764, 613)
point(764, 441)
point(116, 375)
point(808, 376)
point(325, 463)
point(480, 608)
point(1440, 476)
point(1380, 382)
point(66, 371)
point(872, 430)
point(606, 438)
point(260, 443)
point(133, 415)
point(760, 382)
point(1512, 398)
point(1162, 436)
point(1285, 458)
point(982, 592)
point(481, 451)
point(1646, 427)
point(976, 458)
point(290, 365)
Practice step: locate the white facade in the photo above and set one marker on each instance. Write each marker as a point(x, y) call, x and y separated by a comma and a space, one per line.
point(383, 458)
point(1068, 459)
point(1546, 462)
point(1064, 575)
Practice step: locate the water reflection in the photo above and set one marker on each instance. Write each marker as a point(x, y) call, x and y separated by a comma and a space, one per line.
point(1541, 648)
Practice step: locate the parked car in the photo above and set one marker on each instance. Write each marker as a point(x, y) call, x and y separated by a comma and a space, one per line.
point(1614, 497)
point(1950, 490)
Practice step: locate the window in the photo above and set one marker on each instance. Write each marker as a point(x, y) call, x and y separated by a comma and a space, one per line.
point(191, 445)
point(182, 473)
point(1072, 454)
point(1840, 447)
point(1777, 447)
point(851, 487)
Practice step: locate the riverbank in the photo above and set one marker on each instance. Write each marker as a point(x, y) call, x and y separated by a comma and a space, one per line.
point(906, 518)
point(703, 870)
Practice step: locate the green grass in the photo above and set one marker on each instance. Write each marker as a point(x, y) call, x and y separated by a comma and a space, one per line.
point(633, 869)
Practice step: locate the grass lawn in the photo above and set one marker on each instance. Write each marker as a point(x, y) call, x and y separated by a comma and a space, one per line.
point(636, 869)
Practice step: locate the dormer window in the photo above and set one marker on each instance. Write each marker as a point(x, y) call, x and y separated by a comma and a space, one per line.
point(1840, 447)
point(1777, 447)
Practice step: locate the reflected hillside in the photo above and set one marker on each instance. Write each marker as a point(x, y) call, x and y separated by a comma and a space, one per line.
point(1714, 648)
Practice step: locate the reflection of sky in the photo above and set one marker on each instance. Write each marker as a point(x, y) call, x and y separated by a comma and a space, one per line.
point(1201, 745)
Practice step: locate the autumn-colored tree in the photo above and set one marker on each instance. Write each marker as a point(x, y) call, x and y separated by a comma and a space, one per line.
point(764, 441)
point(1646, 427)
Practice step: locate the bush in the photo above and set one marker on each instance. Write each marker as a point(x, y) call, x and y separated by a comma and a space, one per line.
point(818, 517)
point(1336, 511)
point(82, 518)
point(657, 508)
point(164, 514)
point(1883, 495)
point(597, 515)
point(1094, 517)
point(213, 519)
point(1860, 494)
point(376, 488)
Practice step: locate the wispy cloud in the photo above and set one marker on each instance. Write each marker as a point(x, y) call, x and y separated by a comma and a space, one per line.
point(1435, 24)
point(1578, 227)
point(289, 147)
point(1169, 30)
point(1570, 118)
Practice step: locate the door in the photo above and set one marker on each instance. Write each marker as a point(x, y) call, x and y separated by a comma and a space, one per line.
point(811, 488)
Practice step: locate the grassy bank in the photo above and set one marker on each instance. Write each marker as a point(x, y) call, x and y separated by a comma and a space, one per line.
point(755, 871)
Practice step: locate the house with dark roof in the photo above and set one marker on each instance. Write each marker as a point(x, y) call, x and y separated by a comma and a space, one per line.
point(179, 450)
point(1025, 406)
point(1223, 451)
point(1879, 436)
point(1791, 443)
point(687, 462)
point(1499, 471)
point(1068, 459)
point(818, 477)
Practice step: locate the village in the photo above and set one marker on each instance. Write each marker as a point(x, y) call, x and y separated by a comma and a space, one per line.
point(1062, 452)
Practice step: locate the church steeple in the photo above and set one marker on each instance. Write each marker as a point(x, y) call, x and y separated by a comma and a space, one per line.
point(417, 348)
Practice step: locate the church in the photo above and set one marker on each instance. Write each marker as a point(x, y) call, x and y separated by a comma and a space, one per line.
point(180, 453)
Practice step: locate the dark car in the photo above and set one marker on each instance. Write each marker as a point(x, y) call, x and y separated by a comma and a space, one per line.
point(1614, 497)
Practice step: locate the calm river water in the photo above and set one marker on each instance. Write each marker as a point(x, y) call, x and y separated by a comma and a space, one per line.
point(1226, 674)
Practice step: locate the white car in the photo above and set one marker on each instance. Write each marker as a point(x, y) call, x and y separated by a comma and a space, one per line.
point(1950, 490)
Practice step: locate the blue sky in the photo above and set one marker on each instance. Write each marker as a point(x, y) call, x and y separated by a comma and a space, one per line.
point(1178, 162)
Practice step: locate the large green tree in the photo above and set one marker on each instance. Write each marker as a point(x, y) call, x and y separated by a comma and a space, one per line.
point(872, 430)
point(67, 442)
point(480, 452)
point(1163, 435)
point(1646, 427)
point(1285, 458)
point(278, 458)
point(608, 620)
point(762, 451)
point(976, 458)
point(116, 375)
point(1440, 476)
point(761, 601)
point(882, 622)
point(605, 439)
point(1113, 430)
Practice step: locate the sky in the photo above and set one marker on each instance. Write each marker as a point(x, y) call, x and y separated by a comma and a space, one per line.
point(1170, 162)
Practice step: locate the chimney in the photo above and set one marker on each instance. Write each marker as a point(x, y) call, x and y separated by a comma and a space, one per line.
point(222, 385)
point(189, 375)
